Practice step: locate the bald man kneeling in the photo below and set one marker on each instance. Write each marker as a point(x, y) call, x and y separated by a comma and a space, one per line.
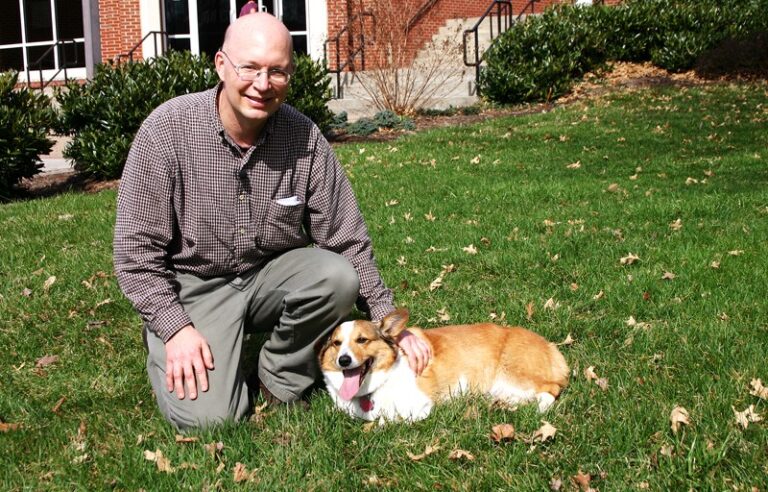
point(234, 216)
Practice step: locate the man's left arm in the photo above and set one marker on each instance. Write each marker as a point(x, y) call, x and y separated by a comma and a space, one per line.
point(336, 224)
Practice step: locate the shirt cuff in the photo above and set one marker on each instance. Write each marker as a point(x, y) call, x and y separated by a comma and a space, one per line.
point(166, 323)
point(380, 311)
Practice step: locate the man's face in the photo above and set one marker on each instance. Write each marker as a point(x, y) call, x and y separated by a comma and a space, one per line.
point(253, 102)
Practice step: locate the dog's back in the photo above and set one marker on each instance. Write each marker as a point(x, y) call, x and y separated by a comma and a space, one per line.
point(512, 364)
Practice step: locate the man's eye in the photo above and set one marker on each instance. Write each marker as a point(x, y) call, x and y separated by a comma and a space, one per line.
point(361, 340)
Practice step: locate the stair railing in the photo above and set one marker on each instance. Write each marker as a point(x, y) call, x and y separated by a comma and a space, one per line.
point(502, 11)
point(354, 50)
point(159, 39)
point(64, 63)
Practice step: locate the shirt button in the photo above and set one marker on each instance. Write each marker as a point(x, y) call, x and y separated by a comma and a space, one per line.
point(242, 230)
point(242, 197)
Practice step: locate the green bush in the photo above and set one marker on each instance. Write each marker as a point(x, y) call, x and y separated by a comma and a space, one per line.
point(104, 114)
point(541, 58)
point(382, 119)
point(310, 91)
point(25, 118)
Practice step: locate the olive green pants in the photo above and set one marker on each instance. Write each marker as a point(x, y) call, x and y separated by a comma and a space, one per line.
point(298, 297)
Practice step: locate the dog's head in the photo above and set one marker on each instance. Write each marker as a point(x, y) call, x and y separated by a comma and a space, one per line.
point(357, 349)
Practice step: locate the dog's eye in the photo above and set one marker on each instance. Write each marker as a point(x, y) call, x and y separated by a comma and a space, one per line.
point(361, 340)
point(337, 343)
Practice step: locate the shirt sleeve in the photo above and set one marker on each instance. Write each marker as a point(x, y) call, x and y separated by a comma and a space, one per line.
point(143, 232)
point(336, 224)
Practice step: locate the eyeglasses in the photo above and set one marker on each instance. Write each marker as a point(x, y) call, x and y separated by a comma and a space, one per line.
point(249, 73)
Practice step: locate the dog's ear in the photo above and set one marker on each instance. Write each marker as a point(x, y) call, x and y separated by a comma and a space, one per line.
point(394, 323)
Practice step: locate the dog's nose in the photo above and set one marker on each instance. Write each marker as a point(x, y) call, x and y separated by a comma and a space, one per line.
point(345, 360)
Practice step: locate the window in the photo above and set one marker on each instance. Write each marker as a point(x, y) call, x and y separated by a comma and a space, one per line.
point(30, 31)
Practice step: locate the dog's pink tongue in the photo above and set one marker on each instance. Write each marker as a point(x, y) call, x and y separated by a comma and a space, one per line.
point(351, 384)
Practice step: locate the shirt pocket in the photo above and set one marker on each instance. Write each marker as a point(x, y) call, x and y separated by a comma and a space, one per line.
point(283, 227)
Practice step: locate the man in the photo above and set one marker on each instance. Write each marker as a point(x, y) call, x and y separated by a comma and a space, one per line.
point(221, 194)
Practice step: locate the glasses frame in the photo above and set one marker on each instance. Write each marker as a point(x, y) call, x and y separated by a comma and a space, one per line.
point(268, 71)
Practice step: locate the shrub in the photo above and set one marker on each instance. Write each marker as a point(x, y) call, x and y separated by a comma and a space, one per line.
point(542, 57)
point(382, 119)
point(25, 118)
point(104, 114)
point(310, 91)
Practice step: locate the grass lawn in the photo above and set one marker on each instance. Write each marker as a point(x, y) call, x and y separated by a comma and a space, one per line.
point(634, 225)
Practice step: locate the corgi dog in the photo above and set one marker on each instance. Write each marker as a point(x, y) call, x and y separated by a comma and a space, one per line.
point(368, 377)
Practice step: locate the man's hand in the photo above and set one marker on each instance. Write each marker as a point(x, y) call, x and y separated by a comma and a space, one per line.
point(188, 359)
point(417, 350)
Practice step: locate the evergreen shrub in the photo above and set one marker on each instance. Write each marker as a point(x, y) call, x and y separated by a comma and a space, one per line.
point(25, 119)
point(104, 114)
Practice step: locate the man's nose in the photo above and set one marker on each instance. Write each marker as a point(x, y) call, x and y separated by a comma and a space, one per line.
point(261, 82)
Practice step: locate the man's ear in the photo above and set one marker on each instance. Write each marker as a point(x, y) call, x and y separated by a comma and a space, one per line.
point(218, 62)
point(394, 323)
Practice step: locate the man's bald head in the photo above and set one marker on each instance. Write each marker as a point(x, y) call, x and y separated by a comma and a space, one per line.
point(254, 28)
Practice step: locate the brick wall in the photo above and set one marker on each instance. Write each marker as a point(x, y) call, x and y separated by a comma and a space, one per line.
point(120, 27)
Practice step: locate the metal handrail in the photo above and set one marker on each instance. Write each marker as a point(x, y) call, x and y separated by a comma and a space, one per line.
point(63, 63)
point(155, 34)
point(502, 10)
point(353, 52)
point(425, 7)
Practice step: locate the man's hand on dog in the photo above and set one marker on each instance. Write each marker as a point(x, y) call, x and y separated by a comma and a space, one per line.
point(188, 359)
point(416, 349)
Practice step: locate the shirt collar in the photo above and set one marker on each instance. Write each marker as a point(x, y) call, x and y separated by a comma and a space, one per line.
point(213, 94)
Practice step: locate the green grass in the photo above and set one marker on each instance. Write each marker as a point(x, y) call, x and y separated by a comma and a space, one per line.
point(542, 231)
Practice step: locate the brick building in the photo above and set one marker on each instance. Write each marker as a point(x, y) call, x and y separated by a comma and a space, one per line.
point(43, 37)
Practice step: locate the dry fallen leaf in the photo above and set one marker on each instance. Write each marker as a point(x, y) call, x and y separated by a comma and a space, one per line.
point(502, 432)
point(575, 165)
point(6, 427)
point(582, 480)
point(678, 417)
point(427, 451)
point(568, 340)
point(602, 383)
point(470, 250)
point(590, 373)
point(555, 484)
point(629, 259)
point(460, 454)
point(747, 416)
point(668, 276)
point(214, 448)
point(598, 296)
point(667, 450)
point(46, 360)
point(185, 439)
point(58, 404)
point(241, 473)
point(163, 464)
point(676, 225)
point(443, 315)
point(546, 431)
point(529, 310)
point(49, 282)
point(26, 292)
point(758, 389)
point(551, 304)
point(736, 252)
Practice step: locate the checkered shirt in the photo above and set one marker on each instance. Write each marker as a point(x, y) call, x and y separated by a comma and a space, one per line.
point(192, 201)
